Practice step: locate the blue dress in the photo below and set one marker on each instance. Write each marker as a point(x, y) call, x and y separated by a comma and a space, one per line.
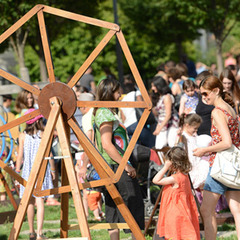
point(30, 148)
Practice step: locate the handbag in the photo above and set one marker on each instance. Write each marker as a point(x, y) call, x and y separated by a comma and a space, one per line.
point(226, 167)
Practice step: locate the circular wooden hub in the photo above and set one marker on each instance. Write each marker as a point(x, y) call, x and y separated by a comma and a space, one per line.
point(65, 95)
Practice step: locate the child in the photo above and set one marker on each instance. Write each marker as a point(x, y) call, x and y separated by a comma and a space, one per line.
point(29, 142)
point(189, 99)
point(178, 216)
point(200, 166)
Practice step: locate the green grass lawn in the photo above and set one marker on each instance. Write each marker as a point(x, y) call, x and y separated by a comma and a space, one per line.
point(52, 225)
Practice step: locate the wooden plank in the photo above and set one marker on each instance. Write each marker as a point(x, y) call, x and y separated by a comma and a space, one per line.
point(67, 188)
point(19, 82)
point(9, 193)
point(91, 58)
point(94, 156)
point(34, 173)
point(131, 145)
point(16, 176)
point(20, 120)
point(20, 22)
point(46, 47)
point(65, 147)
point(113, 104)
point(64, 203)
point(133, 68)
point(77, 238)
point(81, 18)
point(94, 226)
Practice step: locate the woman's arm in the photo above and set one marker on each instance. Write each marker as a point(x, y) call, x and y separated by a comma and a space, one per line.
point(159, 178)
point(220, 121)
point(106, 139)
point(20, 152)
point(168, 107)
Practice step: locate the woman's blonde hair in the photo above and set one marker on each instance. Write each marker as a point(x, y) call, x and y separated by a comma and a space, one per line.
point(179, 158)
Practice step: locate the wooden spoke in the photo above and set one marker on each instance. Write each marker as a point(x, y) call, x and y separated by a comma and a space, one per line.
point(46, 47)
point(114, 104)
point(131, 145)
point(133, 68)
point(81, 18)
point(91, 58)
point(16, 176)
point(67, 188)
point(19, 121)
point(94, 156)
point(20, 22)
point(19, 82)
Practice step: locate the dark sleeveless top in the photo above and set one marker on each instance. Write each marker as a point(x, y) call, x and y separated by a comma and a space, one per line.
point(204, 111)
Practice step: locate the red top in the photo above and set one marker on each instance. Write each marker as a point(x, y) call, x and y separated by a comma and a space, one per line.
point(234, 132)
point(178, 215)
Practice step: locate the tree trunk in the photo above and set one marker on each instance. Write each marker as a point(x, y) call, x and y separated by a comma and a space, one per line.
point(43, 70)
point(219, 56)
point(20, 49)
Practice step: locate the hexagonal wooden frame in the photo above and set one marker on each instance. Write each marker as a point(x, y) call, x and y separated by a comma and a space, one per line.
point(57, 117)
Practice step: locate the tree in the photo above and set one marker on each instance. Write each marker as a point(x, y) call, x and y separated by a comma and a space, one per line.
point(219, 17)
point(28, 34)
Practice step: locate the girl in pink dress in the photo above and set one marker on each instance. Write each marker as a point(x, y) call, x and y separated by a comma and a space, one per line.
point(178, 216)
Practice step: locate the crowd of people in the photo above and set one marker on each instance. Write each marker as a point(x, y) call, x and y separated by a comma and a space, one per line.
point(195, 114)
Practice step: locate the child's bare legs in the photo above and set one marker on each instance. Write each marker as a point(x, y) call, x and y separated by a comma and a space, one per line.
point(30, 214)
point(114, 234)
point(40, 215)
point(85, 201)
point(208, 212)
point(3, 196)
point(96, 214)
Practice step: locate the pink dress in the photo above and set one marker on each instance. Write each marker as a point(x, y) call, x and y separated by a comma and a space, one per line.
point(178, 216)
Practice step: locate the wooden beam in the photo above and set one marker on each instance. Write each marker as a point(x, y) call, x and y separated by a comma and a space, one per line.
point(19, 82)
point(81, 18)
point(20, 22)
point(94, 226)
point(133, 68)
point(46, 47)
point(91, 58)
point(65, 147)
point(112, 104)
point(19, 121)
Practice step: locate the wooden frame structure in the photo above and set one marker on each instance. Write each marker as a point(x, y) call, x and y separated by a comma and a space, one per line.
point(57, 102)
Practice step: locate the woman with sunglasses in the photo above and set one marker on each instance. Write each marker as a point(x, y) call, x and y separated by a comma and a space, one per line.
point(224, 132)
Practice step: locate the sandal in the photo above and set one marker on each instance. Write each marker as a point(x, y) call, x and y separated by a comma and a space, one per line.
point(40, 237)
point(32, 236)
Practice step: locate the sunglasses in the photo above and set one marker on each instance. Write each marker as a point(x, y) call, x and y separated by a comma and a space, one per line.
point(205, 94)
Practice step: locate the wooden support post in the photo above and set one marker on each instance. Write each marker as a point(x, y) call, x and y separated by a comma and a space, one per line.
point(65, 146)
point(34, 173)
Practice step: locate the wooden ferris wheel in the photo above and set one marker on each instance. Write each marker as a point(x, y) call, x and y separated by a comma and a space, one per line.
point(57, 103)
